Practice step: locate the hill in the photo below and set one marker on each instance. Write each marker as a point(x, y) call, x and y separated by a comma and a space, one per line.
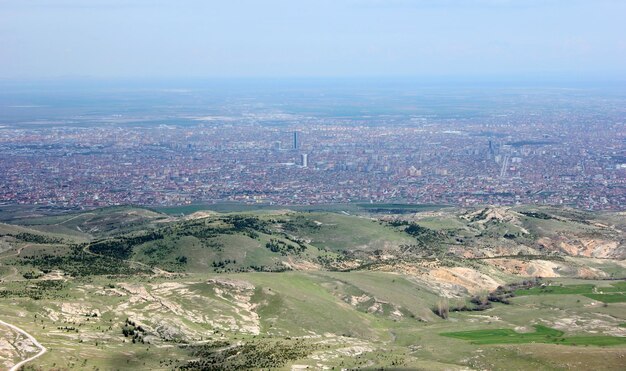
point(127, 288)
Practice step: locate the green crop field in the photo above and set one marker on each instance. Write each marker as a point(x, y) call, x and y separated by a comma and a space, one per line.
point(542, 334)
point(615, 293)
point(608, 298)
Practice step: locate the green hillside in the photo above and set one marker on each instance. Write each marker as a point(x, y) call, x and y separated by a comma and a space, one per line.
point(125, 288)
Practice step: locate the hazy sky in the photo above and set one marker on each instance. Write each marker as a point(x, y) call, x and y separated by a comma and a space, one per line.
point(280, 38)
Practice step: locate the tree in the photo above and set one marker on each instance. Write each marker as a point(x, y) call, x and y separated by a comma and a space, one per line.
point(443, 308)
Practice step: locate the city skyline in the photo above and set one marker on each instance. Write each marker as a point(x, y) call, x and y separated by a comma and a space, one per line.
point(463, 147)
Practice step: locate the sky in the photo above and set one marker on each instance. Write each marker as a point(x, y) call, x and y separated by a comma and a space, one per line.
point(112, 39)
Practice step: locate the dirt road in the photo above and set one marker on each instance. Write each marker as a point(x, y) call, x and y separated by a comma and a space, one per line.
point(31, 338)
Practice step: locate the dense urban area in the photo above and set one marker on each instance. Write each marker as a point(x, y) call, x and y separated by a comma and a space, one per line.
point(569, 155)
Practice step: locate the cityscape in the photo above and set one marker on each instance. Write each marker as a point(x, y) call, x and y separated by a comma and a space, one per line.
point(568, 155)
point(312, 185)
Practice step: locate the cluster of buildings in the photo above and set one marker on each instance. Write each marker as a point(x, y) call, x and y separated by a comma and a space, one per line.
point(495, 160)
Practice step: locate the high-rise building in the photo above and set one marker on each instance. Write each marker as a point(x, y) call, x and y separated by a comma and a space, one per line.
point(296, 140)
point(304, 160)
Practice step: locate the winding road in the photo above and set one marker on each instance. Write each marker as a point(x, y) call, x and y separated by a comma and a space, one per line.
point(15, 328)
point(31, 338)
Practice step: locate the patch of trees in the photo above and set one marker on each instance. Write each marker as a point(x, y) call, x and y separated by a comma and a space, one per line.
point(283, 248)
point(67, 328)
point(158, 250)
point(296, 240)
point(212, 244)
point(424, 236)
point(331, 262)
point(229, 266)
point(122, 247)
point(37, 238)
point(501, 294)
point(36, 290)
point(246, 223)
point(81, 263)
point(300, 222)
point(476, 303)
point(222, 264)
point(398, 223)
point(480, 216)
point(31, 275)
point(265, 268)
point(256, 354)
point(201, 229)
point(133, 331)
point(423, 249)
point(526, 284)
point(537, 215)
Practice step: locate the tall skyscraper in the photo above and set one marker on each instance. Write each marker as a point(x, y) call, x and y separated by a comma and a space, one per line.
point(296, 140)
point(304, 160)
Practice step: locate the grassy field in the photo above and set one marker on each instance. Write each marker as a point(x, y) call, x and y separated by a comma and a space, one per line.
point(542, 334)
point(615, 293)
point(338, 232)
